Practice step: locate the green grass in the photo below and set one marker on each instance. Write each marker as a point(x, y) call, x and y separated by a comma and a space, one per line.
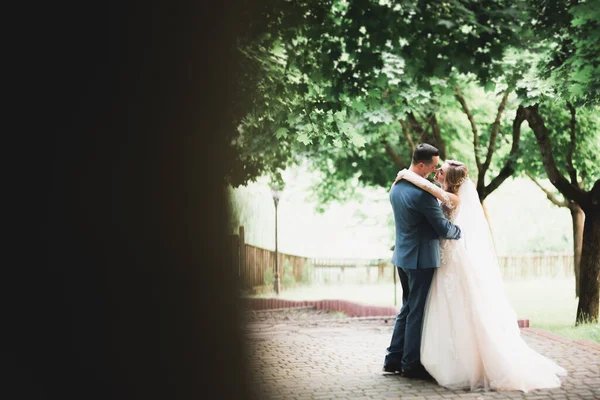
point(549, 304)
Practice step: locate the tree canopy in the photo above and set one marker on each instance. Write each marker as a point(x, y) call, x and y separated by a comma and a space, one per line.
point(353, 86)
point(327, 73)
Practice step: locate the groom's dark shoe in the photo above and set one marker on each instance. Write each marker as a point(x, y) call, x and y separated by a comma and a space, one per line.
point(395, 369)
point(417, 374)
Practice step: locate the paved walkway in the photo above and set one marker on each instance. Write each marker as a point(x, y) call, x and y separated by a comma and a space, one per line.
point(293, 357)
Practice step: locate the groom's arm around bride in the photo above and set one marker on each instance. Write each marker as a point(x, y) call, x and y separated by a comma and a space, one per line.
point(434, 215)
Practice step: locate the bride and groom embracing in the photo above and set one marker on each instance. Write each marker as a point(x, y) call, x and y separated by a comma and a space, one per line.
point(456, 324)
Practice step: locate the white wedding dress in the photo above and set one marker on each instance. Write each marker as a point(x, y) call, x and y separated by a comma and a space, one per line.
point(471, 339)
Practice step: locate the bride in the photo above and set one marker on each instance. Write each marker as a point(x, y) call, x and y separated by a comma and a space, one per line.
point(471, 338)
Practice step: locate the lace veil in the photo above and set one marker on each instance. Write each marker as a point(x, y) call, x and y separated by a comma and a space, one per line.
point(477, 239)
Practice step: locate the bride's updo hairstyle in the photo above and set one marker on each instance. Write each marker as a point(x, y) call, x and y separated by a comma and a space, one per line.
point(456, 175)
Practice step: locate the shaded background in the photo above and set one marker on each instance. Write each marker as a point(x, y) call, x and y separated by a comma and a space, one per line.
point(117, 283)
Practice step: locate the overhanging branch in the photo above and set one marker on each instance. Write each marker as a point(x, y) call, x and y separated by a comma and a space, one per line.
point(570, 191)
point(437, 136)
point(406, 131)
point(494, 134)
point(508, 168)
point(549, 194)
point(399, 161)
point(570, 168)
point(467, 111)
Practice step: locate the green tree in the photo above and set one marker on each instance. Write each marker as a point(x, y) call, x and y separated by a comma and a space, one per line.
point(581, 188)
point(573, 32)
point(570, 32)
point(575, 148)
point(311, 63)
point(487, 144)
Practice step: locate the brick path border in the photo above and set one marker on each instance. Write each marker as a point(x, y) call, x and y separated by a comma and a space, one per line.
point(553, 336)
point(349, 308)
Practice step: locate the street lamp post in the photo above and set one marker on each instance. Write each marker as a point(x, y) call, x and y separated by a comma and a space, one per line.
point(276, 281)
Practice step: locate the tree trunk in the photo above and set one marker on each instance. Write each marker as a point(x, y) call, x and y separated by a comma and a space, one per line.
point(428, 131)
point(436, 133)
point(589, 283)
point(481, 191)
point(578, 217)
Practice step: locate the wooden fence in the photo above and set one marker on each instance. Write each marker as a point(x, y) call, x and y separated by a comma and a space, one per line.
point(254, 263)
point(523, 266)
point(551, 265)
point(327, 270)
point(259, 261)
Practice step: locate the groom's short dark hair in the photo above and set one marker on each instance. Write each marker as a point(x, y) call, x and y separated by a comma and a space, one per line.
point(424, 153)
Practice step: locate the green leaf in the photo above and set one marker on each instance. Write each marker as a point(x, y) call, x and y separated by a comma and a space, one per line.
point(490, 86)
point(359, 106)
point(379, 116)
point(281, 133)
point(357, 140)
point(340, 115)
point(304, 139)
point(347, 129)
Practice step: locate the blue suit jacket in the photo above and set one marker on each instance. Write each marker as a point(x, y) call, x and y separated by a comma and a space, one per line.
point(420, 223)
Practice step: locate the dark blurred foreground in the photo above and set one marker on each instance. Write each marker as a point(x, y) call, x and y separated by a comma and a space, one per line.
point(118, 283)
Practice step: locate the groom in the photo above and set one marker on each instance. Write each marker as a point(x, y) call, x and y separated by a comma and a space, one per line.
point(420, 224)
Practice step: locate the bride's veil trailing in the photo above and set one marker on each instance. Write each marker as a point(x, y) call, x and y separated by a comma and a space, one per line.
point(475, 231)
point(477, 239)
point(470, 334)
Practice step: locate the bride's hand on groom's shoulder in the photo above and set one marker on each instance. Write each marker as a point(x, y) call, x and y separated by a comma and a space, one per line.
point(398, 177)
